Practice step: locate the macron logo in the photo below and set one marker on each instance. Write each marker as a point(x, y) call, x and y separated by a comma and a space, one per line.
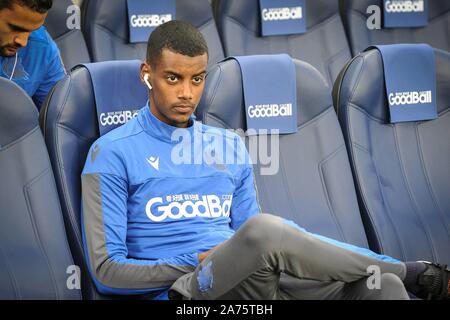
point(154, 162)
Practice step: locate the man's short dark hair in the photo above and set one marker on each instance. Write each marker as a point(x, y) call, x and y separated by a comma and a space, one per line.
point(41, 6)
point(177, 36)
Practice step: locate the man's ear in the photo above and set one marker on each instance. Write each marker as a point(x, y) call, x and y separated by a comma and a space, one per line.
point(145, 69)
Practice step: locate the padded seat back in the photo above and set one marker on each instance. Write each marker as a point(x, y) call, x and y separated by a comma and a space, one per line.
point(70, 42)
point(436, 33)
point(35, 258)
point(402, 170)
point(70, 126)
point(324, 45)
point(107, 34)
point(313, 186)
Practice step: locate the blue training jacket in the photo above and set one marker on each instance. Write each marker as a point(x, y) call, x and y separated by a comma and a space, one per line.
point(38, 67)
point(153, 198)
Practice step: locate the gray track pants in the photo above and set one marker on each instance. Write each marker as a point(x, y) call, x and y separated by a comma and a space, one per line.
point(268, 258)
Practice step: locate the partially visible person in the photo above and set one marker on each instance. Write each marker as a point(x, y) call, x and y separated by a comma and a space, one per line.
point(28, 55)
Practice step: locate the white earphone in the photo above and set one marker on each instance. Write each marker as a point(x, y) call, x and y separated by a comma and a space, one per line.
point(147, 82)
point(14, 68)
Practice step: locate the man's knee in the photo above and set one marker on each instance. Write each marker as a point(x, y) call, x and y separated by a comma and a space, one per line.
point(391, 280)
point(392, 287)
point(262, 232)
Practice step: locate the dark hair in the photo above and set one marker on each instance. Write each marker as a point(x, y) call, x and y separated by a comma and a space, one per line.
point(41, 6)
point(177, 36)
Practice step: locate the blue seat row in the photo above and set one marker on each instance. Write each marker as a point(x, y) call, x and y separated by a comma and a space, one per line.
point(360, 180)
point(336, 31)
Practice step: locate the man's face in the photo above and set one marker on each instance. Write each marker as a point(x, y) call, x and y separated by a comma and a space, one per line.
point(178, 83)
point(16, 24)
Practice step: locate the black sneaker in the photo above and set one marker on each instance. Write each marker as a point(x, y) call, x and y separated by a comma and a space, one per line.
point(434, 282)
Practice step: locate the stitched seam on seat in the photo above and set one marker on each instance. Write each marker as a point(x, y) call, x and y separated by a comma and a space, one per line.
point(313, 28)
point(439, 17)
point(223, 123)
point(103, 28)
point(353, 161)
point(386, 205)
point(66, 241)
point(357, 82)
point(233, 20)
point(35, 230)
point(334, 58)
point(371, 117)
point(325, 189)
point(361, 147)
point(59, 163)
point(286, 186)
point(358, 178)
point(429, 185)
point(444, 112)
point(213, 95)
point(12, 277)
point(324, 22)
point(19, 140)
point(205, 25)
point(65, 35)
point(74, 132)
point(317, 117)
point(357, 48)
point(411, 196)
point(353, 157)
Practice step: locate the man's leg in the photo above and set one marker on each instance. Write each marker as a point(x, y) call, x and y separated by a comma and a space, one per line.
point(249, 264)
point(391, 288)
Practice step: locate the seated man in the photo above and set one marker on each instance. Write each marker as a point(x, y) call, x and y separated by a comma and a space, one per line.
point(28, 55)
point(155, 225)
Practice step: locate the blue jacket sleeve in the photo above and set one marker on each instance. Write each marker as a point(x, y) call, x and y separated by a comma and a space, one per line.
point(245, 203)
point(104, 227)
point(54, 72)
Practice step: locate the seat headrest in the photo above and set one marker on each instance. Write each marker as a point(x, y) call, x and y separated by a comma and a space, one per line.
point(363, 83)
point(56, 21)
point(247, 12)
point(436, 8)
point(223, 105)
point(119, 93)
point(18, 113)
point(114, 16)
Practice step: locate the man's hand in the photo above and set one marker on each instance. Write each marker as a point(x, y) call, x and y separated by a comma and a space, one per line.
point(202, 255)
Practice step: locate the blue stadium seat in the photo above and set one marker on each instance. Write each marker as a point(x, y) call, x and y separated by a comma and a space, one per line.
point(402, 170)
point(107, 34)
point(69, 123)
point(70, 42)
point(324, 45)
point(313, 186)
point(436, 34)
point(34, 253)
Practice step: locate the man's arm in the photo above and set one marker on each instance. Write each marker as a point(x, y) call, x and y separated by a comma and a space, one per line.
point(55, 71)
point(104, 224)
point(245, 203)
